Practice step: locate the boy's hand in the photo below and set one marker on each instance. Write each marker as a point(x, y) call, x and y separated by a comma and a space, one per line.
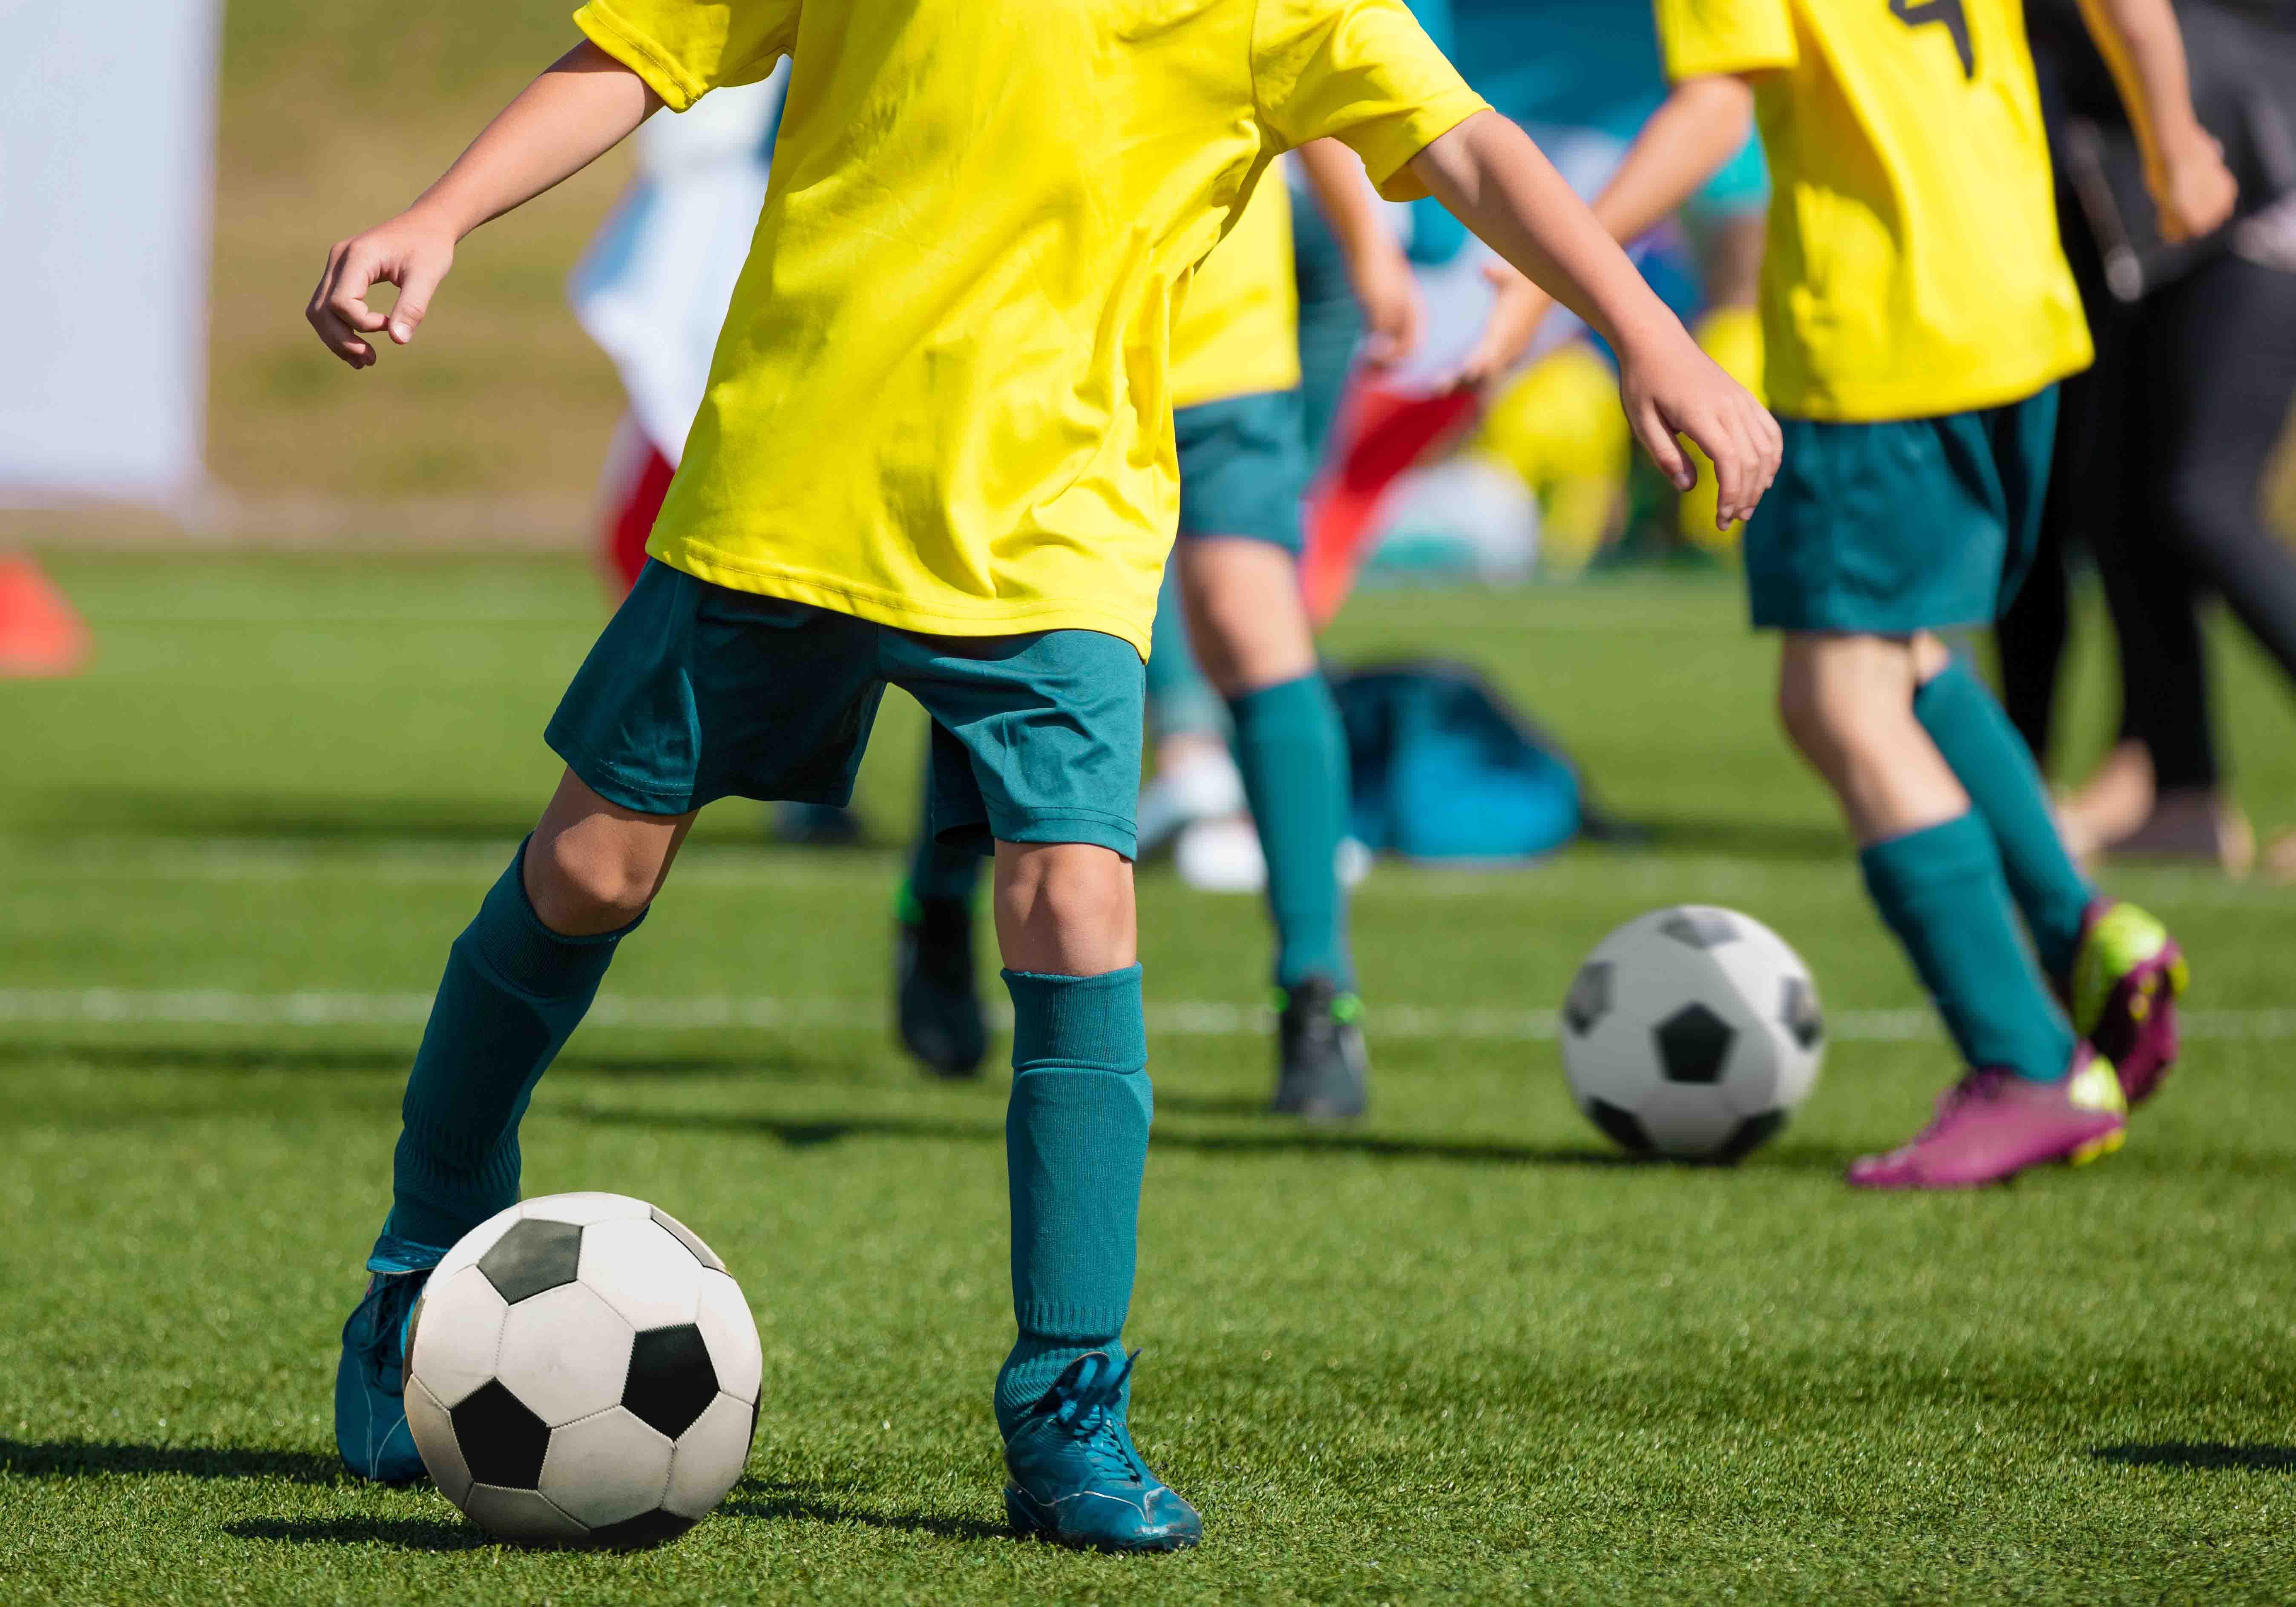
point(1671, 387)
point(2192, 188)
point(408, 252)
point(1394, 315)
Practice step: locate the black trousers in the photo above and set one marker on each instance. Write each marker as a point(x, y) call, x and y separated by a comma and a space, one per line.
point(2162, 449)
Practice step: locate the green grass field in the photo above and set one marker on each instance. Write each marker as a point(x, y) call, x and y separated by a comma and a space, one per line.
point(1459, 1352)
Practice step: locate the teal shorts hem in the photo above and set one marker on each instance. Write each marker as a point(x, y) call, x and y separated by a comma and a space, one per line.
point(695, 692)
point(1243, 468)
point(1901, 526)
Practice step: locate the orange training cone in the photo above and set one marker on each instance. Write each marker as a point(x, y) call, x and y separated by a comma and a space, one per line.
point(40, 633)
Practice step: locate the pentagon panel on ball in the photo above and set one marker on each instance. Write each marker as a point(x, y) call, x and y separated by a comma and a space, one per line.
point(1691, 1032)
point(583, 1371)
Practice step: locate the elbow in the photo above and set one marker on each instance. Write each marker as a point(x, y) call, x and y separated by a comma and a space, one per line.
point(1723, 104)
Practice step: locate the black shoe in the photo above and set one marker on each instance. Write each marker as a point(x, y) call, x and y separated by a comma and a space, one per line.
point(1322, 1070)
point(938, 1012)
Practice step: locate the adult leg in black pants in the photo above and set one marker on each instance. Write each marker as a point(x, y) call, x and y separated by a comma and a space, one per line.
point(2209, 388)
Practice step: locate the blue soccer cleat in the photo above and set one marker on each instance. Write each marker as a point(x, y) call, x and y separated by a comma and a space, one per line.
point(1075, 1477)
point(370, 1428)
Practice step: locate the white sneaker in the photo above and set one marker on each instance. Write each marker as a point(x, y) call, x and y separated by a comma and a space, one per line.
point(1202, 786)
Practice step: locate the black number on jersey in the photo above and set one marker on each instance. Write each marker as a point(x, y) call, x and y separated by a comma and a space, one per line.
point(1919, 13)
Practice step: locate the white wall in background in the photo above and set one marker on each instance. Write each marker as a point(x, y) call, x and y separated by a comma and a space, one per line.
point(107, 139)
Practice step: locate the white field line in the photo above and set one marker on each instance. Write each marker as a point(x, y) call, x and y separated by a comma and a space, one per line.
point(1711, 878)
point(1200, 1017)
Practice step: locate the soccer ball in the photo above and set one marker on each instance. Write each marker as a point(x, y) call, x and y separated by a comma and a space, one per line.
point(1691, 1032)
point(581, 1370)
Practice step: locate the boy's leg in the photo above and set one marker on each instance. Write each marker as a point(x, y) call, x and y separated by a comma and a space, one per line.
point(517, 982)
point(936, 1004)
point(1934, 874)
point(1037, 748)
point(1252, 638)
point(1076, 1143)
point(1243, 470)
point(1974, 734)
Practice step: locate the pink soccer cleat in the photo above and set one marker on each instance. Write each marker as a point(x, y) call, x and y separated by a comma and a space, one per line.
point(1993, 1124)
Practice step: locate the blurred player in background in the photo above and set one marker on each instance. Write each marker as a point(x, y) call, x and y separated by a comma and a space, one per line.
point(2172, 431)
point(1581, 75)
point(1243, 462)
point(1918, 313)
point(935, 452)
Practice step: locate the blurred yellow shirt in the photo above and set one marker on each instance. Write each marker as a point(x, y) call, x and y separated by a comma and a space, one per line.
point(1238, 329)
point(1914, 268)
point(942, 398)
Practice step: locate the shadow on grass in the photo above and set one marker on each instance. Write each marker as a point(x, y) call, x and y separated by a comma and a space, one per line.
point(753, 1499)
point(77, 1459)
point(1276, 1138)
point(2200, 1455)
point(403, 1534)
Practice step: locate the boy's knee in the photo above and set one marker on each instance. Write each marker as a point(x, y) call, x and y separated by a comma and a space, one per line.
point(1806, 714)
point(1064, 908)
point(580, 887)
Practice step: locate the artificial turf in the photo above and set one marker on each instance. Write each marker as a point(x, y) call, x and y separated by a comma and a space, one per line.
point(1460, 1350)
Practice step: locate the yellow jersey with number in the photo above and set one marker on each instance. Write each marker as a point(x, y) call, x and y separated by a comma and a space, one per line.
point(1914, 268)
point(1238, 329)
point(942, 398)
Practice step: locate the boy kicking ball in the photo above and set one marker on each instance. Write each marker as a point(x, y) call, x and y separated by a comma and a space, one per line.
point(936, 451)
point(1917, 314)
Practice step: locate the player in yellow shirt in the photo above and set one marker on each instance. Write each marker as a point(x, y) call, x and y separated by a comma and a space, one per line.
point(936, 451)
point(1244, 464)
point(1916, 316)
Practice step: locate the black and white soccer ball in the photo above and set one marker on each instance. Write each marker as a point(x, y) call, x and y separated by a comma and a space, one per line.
point(583, 1372)
point(1691, 1032)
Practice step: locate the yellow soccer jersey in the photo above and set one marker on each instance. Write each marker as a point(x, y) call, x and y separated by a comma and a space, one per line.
point(1914, 268)
point(1238, 329)
point(942, 398)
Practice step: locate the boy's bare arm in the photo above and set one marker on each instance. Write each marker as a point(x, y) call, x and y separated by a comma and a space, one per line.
point(1379, 273)
point(2183, 166)
point(1488, 172)
point(581, 106)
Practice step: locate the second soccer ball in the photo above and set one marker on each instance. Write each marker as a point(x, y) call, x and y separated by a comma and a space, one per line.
point(1691, 1032)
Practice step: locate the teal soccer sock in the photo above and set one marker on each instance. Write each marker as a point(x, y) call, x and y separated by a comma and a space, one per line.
point(1294, 759)
point(1940, 889)
point(513, 993)
point(1970, 727)
point(1076, 1138)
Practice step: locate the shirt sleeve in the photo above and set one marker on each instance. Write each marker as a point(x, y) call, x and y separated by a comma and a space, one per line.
point(1361, 72)
point(1703, 37)
point(686, 48)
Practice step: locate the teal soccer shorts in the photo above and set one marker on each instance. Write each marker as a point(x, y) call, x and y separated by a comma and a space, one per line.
point(1915, 524)
point(696, 693)
point(1243, 468)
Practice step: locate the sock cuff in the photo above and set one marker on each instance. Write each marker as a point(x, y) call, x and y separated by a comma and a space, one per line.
point(1094, 1022)
point(1246, 704)
point(1956, 681)
point(1949, 851)
point(514, 944)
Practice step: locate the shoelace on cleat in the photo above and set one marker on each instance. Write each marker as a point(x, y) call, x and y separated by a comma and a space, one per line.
point(383, 1335)
point(1971, 1089)
point(1086, 1413)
